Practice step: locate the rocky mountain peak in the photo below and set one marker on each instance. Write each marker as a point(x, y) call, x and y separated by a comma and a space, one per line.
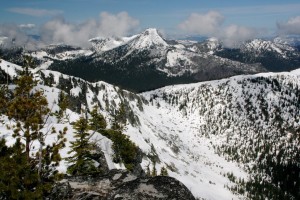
point(147, 39)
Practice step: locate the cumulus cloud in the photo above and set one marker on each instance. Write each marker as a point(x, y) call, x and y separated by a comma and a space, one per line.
point(36, 12)
point(16, 36)
point(292, 26)
point(211, 24)
point(203, 24)
point(60, 31)
point(116, 25)
point(233, 35)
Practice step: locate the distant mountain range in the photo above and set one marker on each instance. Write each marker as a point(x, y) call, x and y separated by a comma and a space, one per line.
point(148, 61)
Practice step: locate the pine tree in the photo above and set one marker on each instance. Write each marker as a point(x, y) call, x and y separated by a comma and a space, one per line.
point(164, 171)
point(4, 98)
point(97, 121)
point(18, 180)
point(81, 161)
point(148, 172)
point(119, 118)
point(154, 172)
point(28, 108)
point(63, 103)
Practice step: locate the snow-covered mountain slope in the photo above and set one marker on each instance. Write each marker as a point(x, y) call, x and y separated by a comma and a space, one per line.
point(259, 47)
point(157, 136)
point(174, 58)
point(247, 126)
point(147, 60)
point(292, 40)
point(251, 119)
point(149, 38)
point(106, 44)
point(275, 55)
point(59, 52)
point(154, 61)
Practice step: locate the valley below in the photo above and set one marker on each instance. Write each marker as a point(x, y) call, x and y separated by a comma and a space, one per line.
point(224, 122)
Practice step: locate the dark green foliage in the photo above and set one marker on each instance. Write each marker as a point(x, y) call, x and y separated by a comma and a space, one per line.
point(34, 174)
point(125, 150)
point(154, 171)
point(13, 55)
point(63, 103)
point(5, 96)
point(18, 177)
point(128, 75)
point(164, 171)
point(258, 138)
point(268, 59)
point(48, 81)
point(257, 189)
point(97, 121)
point(148, 172)
point(27, 109)
point(81, 161)
point(119, 118)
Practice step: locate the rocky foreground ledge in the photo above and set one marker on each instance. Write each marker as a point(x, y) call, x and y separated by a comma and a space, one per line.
point(120, 185)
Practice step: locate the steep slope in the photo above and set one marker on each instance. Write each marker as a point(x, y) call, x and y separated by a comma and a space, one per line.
point(253, 120)
point(164, 141)
point(206, 133)
point(275, 55)
point(106, 44)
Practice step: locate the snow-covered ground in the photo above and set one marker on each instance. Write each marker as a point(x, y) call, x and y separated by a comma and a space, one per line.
point(186, 154)
point(170, 134)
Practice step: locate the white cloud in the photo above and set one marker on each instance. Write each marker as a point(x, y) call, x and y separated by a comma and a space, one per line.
point(292, 26)
point(203, 24)
point(233, 35)
point(27, 26)
point(116, 25)
point(17, 36)
point(211, 24)
point(60, 31)
point(36, 12)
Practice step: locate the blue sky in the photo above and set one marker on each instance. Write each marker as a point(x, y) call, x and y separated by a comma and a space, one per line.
point(172, 17)
point(154, 13)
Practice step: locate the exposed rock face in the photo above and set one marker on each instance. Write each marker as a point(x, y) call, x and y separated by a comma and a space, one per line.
point(120, 184)
point(159, 187)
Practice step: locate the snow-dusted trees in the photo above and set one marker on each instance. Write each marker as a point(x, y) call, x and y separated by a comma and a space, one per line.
point(28, 109)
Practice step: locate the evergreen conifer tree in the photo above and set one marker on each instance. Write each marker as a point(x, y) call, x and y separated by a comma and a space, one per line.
point(81, 161)
point(163, 171)
point(119, 119)
point(63, 103)
point(97, 121)
point(148, 172)
point(154, 172)
point(28, 108)
point(18, 180)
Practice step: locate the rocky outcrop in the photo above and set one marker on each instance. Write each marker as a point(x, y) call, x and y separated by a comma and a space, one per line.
point(159, 187)
point(120, 184)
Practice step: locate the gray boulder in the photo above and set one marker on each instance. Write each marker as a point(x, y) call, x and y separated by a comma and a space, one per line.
point(120, 184)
